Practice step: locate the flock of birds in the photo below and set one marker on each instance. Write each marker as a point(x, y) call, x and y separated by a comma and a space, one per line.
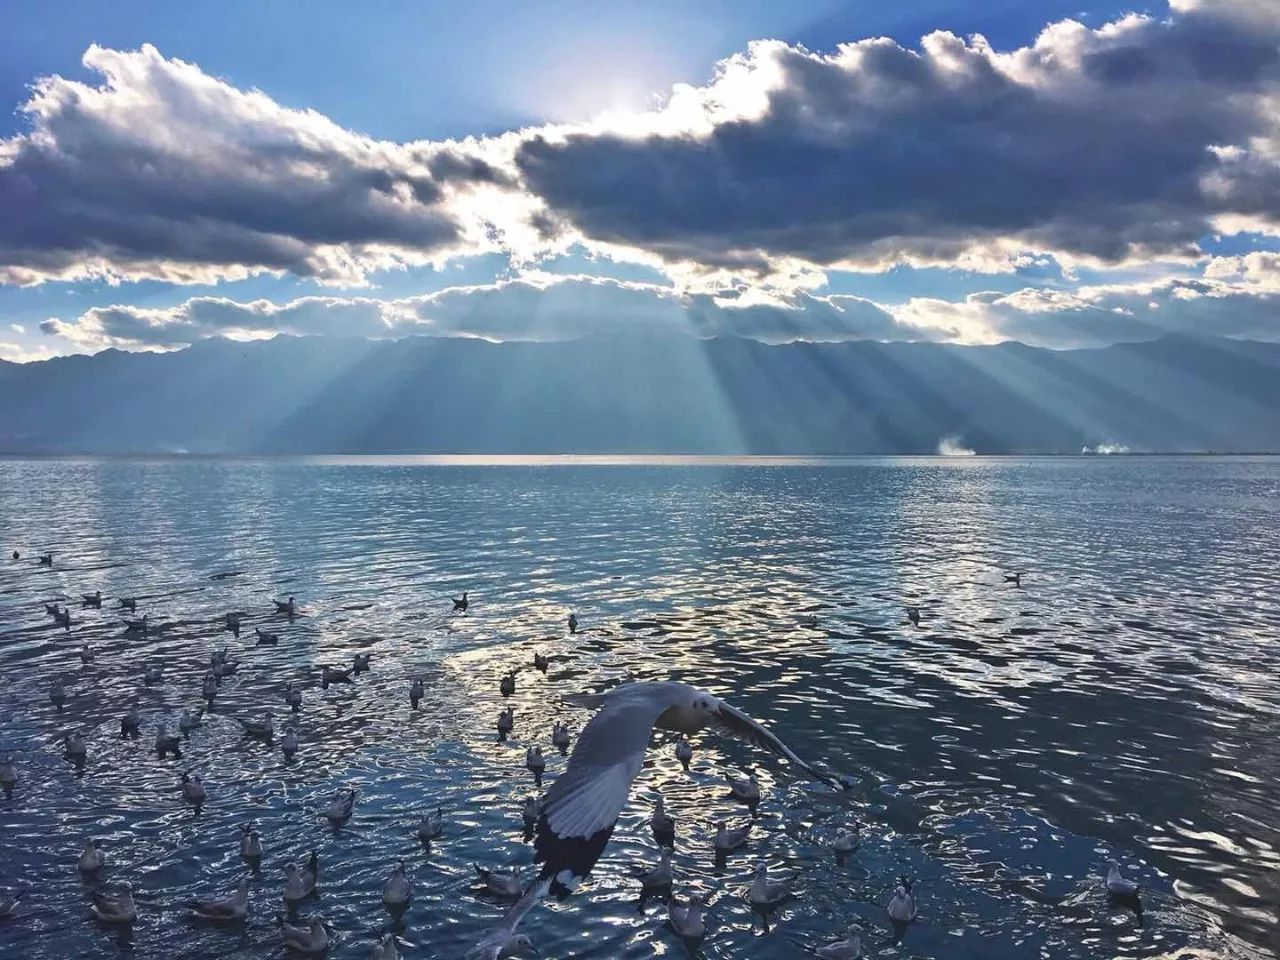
point(570, 824)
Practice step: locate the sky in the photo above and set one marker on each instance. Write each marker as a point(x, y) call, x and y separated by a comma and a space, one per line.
point(1064, 174)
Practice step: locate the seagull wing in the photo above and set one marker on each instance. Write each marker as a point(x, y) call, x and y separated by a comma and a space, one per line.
point(732, 722)
point(489, 947)
point(582, 806)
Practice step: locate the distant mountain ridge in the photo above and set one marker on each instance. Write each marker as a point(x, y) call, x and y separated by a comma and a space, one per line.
point(638, 394)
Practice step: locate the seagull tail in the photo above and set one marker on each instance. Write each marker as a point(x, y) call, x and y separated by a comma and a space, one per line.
point(567, 861)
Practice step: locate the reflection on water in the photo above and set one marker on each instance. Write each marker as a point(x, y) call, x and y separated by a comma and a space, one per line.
point(1122, 704)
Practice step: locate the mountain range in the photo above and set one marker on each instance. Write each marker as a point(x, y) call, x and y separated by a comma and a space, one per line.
point(645, 394)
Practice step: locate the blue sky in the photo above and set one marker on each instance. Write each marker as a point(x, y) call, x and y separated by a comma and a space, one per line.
point(105, 209)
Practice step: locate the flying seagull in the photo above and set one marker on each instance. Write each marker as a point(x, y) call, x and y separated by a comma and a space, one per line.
point(582, 806)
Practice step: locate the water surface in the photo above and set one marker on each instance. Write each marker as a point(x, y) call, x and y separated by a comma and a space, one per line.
point(1122, 704)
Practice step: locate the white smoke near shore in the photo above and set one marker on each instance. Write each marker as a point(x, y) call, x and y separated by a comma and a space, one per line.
point(1106, 448)
point(952, 447)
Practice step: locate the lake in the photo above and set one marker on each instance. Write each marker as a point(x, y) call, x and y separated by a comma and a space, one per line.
point(1122, 704)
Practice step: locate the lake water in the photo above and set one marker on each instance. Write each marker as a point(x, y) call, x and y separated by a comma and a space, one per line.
point(1122, 704)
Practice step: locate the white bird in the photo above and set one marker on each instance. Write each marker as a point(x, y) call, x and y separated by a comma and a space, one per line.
point(745, 791)
point(193, 790)
point(301, 883)
point(684, 752)
point(686, 918)
point(583, 804)
point(727, 840)
point(560, 738)
point(397, 892)
point(75, 747)
point(115, 908)
point(768, 893)
point(502, 940)
point(344, 804)
point(385, 948)
point(262, 727)
point(91, 858)
point(289, 743)
point(431, 826)
point(502, 883)
point(293, 697)
point(659, 876)
point(902, 905)
point(231, 909)
point(8, 776)
point(190, 719)
point(9, 905)
point(250, 845)
point(311, 940)
point(846, 840)
point(536, 762)
point(166, 742)
point(849, 948)
point(532, 810)
point(1119, 885)
point(416, 692)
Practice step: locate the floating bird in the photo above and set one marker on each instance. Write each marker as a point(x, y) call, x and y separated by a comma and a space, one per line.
point(573, 623)
point(765, 893)
point(75, 748)
point(91, 858)
point(502, 883)
point(232, 621)
point(152, 675)
point(231, 909)
point(416, 691)
point(330, 675)
point(86, 653)
point(63, 619)
point(845, 842)
point(57, 694)
point(91, 599)
point(532, 810)
point(266, 639)
point(300, 884)
point(508, 684)
point(344, 804)
point(209, 687)
point(250, 845)
point(659, 876)
point(849, 948)
point(913, 614)
point(506, 723)
point(461, 603)
point(117, 908)
point(385, 949)
point(902, 905)
point(46, 559)
point(311, 940)
point(166, 743)
point(131, 722)
point(262, 727)
point(684, 752)
point(663, 825)
point(128, 603)
point(286, 606)
point(193, 790)
point(431, 826)
point(289, 743)
point(1119, 885)
point(9, 905)
point(537, 764)
point(8, 777)
point(686, 918)
point(190, 720)
point(136, 626)
point(293, 697)
point(17, 555)
point(397, 892)
point(1014, 578)
point(560, 737)
point(360, 663)
point(726, 840)
point(502, 941)
point(744, 791)
point(52, 609)
point(541, 661)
